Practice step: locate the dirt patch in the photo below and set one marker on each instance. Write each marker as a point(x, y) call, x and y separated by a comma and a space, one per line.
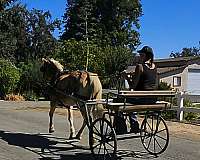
point(183, 130)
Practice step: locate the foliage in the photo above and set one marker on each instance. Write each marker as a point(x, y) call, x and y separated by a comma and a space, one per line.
point(116, 59)
point(41, 41)
point(5, 3)
point(73, 54)
point(188, 116)
point(107, 22)
point(168, 114)
point(31, 80)
point(103, 31)
point(164, 86)
point(26, 35)
point(9, 76)
point(102, 60)
point(186, 52)
point(77, 18)
point(197, 105)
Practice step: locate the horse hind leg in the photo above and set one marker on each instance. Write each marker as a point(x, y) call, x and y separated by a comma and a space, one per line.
point(70, 118)
point(78, 135)
point(51, 112)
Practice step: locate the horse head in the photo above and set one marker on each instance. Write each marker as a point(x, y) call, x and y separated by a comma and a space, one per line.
point(50, 68)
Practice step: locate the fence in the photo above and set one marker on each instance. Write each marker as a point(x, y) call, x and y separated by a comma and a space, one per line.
point(181, 109)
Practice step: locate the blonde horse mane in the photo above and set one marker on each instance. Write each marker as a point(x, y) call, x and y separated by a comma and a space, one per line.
point(57, 64)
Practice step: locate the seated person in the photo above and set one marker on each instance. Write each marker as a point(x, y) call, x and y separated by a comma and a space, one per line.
point(144, 79)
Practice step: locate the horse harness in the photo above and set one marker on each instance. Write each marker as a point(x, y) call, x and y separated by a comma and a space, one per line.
point(55, 79)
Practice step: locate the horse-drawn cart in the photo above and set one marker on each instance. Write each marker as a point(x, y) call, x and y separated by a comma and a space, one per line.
point(76, 87)
point(154, 132)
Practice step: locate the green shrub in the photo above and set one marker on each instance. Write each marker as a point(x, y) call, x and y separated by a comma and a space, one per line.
point(188, 116)
point(9, 76)
point(164, 86)
point(169, 114)
point(31, 80)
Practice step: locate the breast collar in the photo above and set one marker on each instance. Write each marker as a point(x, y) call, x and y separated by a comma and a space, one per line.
point(55, 78)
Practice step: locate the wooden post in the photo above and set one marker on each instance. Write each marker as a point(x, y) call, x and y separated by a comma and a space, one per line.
point(180, 106)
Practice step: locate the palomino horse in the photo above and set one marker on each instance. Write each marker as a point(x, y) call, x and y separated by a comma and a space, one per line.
point(80, 84)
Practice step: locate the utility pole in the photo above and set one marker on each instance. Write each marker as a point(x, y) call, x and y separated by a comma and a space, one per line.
point(86, 33)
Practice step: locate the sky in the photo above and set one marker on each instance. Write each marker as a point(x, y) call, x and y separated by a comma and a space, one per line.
point(166, 25)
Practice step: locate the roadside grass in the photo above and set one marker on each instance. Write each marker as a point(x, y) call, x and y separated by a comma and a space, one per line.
point(197, 105)
point(190, 116)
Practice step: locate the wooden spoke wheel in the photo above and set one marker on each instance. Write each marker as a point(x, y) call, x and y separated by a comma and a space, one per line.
point(154, 134)
point(102, 139)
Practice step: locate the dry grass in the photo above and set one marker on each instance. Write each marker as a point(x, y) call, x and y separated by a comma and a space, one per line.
point(13, 97)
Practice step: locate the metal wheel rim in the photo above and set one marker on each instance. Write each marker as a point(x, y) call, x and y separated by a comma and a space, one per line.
point(102, 139)
point(155, 141)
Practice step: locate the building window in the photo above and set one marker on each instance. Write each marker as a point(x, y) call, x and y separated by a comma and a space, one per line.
point(176, 81)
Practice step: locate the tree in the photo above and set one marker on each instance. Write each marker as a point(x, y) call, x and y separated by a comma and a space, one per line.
point(72, 54)
point(113, 22)
point(186, 52)
point(41, 41)
point(119, 20)
point(26, 35)
point(5, 3)
point(102, 60)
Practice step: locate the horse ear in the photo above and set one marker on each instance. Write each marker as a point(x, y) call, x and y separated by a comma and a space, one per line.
point(44, 60)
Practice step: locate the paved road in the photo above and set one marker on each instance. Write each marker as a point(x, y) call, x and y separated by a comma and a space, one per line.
point(24, 136)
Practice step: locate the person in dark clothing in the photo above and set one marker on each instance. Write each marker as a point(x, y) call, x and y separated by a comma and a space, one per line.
point(144, 79)
point(145, 73)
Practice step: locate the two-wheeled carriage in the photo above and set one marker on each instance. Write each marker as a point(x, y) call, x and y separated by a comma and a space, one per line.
point(154, 132)
point(102, 137)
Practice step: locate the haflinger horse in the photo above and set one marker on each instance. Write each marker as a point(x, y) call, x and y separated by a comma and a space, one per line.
point(69, 89)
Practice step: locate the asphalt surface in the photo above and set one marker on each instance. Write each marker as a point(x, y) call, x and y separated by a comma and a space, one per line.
point(24, 136)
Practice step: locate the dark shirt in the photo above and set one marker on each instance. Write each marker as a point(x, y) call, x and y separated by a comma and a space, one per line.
point(147, 79)
point(144, 80)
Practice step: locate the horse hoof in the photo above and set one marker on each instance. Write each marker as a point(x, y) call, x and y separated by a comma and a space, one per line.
point(72, 137)
point(51, 130)
point(78, 137)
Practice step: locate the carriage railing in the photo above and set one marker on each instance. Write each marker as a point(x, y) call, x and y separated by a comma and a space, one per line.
point(160, 95)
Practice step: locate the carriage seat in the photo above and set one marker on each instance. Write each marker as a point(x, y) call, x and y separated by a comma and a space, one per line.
point(128, 107)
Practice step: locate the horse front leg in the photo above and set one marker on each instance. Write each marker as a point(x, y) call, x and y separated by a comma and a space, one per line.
point(78, 135)
point(71, 122)
point(86, 118)
point(51, 112)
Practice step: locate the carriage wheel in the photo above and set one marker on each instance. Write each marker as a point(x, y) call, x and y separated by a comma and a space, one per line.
point(154, 134)
point(102, 139)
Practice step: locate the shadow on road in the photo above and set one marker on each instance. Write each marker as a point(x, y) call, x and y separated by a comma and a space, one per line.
point(26, 140)
point(59, 148)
